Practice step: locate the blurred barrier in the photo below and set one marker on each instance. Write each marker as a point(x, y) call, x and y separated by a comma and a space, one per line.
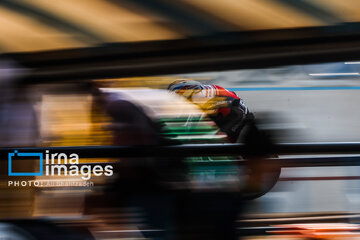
point(218, 150)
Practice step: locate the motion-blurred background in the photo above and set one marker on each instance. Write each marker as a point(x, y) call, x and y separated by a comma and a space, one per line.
point(295, 60)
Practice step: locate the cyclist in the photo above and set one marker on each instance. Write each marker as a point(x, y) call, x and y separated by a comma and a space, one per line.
point(233, 117)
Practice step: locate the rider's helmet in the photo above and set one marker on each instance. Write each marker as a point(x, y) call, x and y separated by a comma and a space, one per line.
point(183, 84)
point(186, 87)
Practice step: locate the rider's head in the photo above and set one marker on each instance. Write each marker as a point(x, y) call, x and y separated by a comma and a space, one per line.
point(183, 84)
point(185, 87)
